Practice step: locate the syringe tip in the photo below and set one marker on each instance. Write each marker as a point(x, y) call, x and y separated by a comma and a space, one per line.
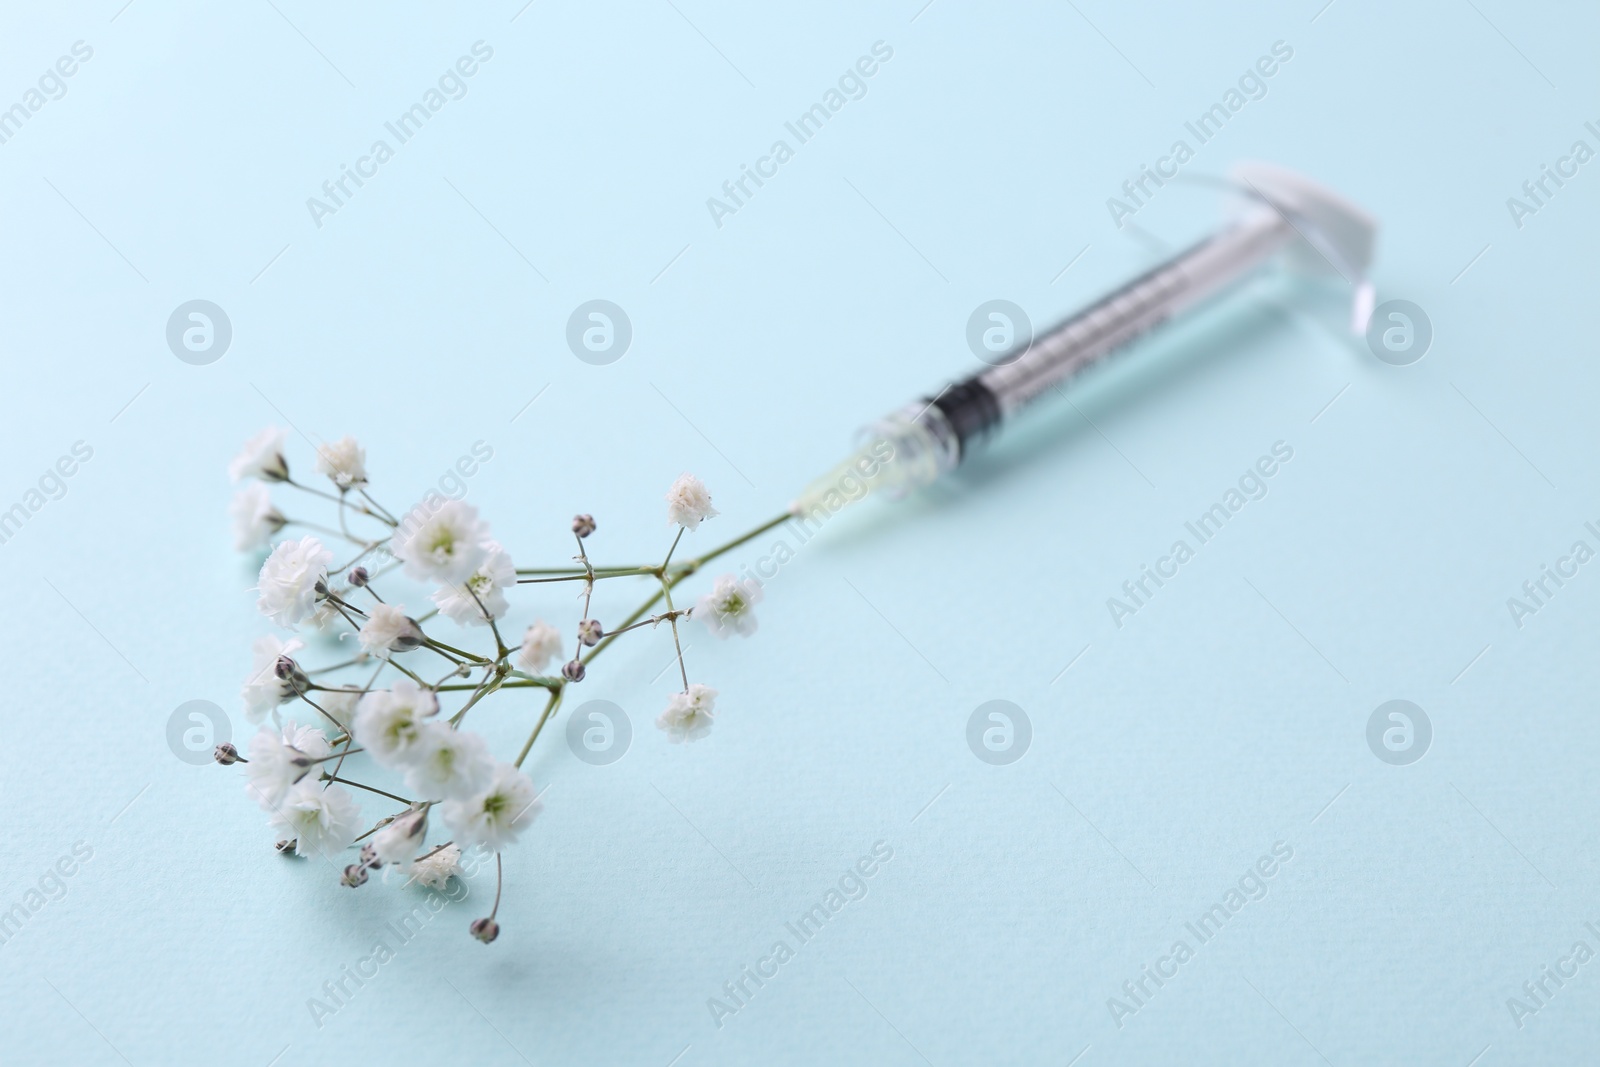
point(904, 451)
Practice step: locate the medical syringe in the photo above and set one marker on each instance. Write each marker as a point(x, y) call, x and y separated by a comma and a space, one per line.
point(1286, 213)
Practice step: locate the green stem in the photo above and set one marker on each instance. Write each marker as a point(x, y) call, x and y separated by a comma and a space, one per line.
point(662, 569)
point(643, 610)
point(643, 568)
point(330, 531)
point(368, 788)
point(682, 571)
point(489, 684)
point(531, 683)
point(549, 709)
point(583, 576)
point(408, 672)
point(361, 509)
point(432, 643)
point(672, 614)
point(698, 561)
point(386, 516)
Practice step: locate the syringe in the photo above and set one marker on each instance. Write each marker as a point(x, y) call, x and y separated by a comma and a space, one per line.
point(1318, 230)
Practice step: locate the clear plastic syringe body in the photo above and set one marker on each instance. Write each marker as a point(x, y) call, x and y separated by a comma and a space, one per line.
point(917, 444)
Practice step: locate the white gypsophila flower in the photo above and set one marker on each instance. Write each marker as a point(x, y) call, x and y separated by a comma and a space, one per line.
point(319, 821)
point(255, 519)
point(264, 690)
point(389, 722)
point(434, 870)
point(344, 461)
point(496, 816)
point(261, 457)
point(279, 759)
point(450, 764)
point(540, 644)
point(339, 703)
point(389, 629)
point(326, 619)
point(688, 502)
point(399, 841)
point(289, 580)
point(689, 715)
point(443, 547)
point(312, 740)
point(729, 607)
point(495, 573)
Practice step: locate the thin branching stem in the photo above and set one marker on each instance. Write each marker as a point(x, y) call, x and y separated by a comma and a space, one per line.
point(368, 788)
point(363, 510)
point(549, 709)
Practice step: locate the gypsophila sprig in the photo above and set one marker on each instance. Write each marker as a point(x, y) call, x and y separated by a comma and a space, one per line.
point(344, 462)
point(689, 714)
point(280, 758)
point(688, 502)
point(399, 841)
point(540, 644)
point(322, 820)
point(255, 519)
point(384, 722)
point(389, 629)
point(292, 579)
point(481, 598)
point(444, 547)
point(730, 607)
point(262, 457)
point(437, 868)
point(265, 689)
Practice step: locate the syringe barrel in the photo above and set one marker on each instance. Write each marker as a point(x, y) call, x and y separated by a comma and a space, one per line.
point(977, 405)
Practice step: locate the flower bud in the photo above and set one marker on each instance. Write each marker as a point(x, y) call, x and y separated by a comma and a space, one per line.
point(354, 875)
point(573, 670)
point(485, 930)
point(288, 670)
point(409, 638)
point(398, 842)
point(589, 632)
point(358, 577)
point(226, 754)
point(369, 857)
point(583, 525)
point(285, 846)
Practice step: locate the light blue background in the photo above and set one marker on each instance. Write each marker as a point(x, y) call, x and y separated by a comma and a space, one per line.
point(1176, 750)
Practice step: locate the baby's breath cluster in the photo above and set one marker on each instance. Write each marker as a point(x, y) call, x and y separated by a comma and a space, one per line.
point(391, 707)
